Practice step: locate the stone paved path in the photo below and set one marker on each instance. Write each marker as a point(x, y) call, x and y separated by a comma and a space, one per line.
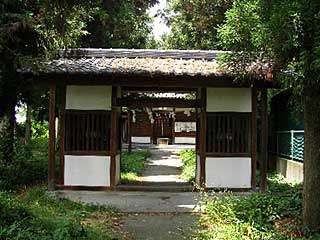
point(164, 166)
point(160, 227)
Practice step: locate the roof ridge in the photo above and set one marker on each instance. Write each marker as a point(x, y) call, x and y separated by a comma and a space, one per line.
point(139, 53)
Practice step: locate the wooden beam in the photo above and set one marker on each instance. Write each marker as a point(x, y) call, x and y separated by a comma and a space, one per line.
point(264, 140)
point(203, 137)
point(253, 137)
point(159, 89)
point(51, 147)
point(134, 80)
point(62, 111)
point(157, 102)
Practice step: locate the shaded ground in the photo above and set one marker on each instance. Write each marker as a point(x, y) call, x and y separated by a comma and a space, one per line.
point(165, 226)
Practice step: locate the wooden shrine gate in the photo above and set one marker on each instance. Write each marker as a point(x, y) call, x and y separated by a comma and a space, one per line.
point(90, 82)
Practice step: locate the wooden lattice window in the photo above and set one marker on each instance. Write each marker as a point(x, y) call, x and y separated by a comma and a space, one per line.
point(228, 133)
point(87, 130)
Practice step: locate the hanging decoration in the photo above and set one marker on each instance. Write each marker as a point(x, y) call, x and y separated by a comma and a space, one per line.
point(187, 112)
point(134, 116)
point(150, 114)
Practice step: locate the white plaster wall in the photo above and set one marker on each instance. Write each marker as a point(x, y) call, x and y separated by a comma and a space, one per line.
point(87, 170)
point(228, 172)
point(228, 99)
point(184, 140)
point(141, 139)
point(88, 97)
point(198, 170)
point(118, 169)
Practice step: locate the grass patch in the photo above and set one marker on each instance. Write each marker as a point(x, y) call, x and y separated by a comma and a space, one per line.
point(132, 164)
point(273, 215)
point(34, 215)
point(188, 157)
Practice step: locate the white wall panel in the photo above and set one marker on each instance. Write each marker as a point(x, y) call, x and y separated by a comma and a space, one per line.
point(228, 172)
point(228, 100)
point(182, 140)
point(141, 139)
point(88, 97)
point(87, 170)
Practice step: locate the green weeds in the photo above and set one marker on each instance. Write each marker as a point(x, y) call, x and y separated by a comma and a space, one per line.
point(132, 164)
point(188, 157)
point(275, 214)
point(34, 215)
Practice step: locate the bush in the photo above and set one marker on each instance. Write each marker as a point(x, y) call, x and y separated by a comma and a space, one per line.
point(188, 157)
point(132, 164)
point(28, 167)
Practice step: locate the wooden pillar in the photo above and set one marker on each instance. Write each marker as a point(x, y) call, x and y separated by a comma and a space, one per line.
point(264, 140)
point(62, 110)
point(114, 138)
point(203, 137)
point(51, 147)
point(253, 137)
point(129, 131)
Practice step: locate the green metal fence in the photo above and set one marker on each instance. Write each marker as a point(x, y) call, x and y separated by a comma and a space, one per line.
point(288, 144)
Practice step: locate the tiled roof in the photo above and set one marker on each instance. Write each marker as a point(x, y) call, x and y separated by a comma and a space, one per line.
point(135, 62)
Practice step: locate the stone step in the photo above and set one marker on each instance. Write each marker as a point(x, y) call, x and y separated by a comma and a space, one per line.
point(156, 187)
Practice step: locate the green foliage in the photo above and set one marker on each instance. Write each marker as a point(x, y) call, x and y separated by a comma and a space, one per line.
point(273, 215)
point(252, 31)
point(188, 157)
point(194, 23)
point(123, 24)
point(28, 167)
point(35, 215)
point(132, 164)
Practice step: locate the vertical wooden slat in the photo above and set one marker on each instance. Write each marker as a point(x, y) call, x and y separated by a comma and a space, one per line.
point(73, 125)
point(51, 147)
point(129, 131)
point(78, 127)
point(234, 130)
point(222, 133)
point(218, 133)
point(62, 133)
point(87, 132)
point(91, 131)
point(83, 132)
point(102, 134)
point(264, 140)
point(97, 131)
point(228, 133)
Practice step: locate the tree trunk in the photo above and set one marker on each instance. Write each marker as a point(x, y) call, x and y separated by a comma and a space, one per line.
point(27, 138)
point(311, 189)
point(8, 148)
